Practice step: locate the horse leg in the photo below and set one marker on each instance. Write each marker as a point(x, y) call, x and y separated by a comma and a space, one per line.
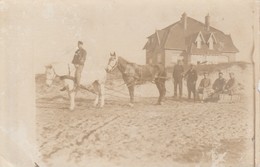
point(72, 95)
point(131, 90)
point(163, 91)
point(160, 93)
point(71, 92)
point(97, 94)
point(102, 94)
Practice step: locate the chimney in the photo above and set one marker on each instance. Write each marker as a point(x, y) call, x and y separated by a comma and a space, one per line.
point(207, 22)
point(184, 20)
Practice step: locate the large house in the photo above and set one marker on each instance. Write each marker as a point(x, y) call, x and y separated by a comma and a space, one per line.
point(191, 41)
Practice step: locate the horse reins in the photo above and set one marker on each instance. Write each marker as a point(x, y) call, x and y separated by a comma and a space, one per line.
point(114, 67)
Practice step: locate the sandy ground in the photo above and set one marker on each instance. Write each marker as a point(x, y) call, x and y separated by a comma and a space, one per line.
point(178, 133)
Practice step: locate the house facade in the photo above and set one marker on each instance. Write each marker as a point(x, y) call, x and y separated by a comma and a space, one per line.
point(190, 41)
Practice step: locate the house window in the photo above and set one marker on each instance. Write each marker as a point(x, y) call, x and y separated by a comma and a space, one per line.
point(198, 44)
point(210, 42)
point(199, 40)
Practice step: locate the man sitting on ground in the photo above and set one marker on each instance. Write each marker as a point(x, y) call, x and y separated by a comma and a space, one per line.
point(204, 87)
point(218, 86)
point(230, 87)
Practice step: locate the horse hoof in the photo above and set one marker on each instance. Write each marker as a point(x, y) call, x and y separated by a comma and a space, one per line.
point(131, 105)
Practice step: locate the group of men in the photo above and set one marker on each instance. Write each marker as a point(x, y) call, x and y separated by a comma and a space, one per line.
point(205, 90)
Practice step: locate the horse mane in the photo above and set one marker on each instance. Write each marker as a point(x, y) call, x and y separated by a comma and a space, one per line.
point(124, 61)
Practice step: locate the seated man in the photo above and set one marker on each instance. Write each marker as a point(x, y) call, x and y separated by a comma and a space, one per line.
point(230, 87)
point(204, 87)
point(218, 86)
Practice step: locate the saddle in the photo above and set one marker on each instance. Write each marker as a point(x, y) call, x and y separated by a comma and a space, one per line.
point(67, 77)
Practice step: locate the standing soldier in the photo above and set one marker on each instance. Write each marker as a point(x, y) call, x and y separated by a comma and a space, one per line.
point(204, 87)
point(177, 76)
point(78, 61)
point(160, 78)
point(191, 81)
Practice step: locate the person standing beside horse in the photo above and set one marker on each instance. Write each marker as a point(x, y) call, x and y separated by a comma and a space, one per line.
point(160, 78)
point(192, 77)
point(79, 61)
point(177, 76)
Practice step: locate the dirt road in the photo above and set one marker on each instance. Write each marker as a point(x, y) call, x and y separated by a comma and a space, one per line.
point(147, 135)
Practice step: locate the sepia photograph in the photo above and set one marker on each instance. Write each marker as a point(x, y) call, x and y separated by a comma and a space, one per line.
point(114, 83)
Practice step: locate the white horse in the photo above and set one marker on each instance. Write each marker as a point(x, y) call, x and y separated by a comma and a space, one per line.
point(65, 71)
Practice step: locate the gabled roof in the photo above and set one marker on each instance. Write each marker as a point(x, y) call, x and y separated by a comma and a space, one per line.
point(212, 36)
point(200, 36)
point(175, 37)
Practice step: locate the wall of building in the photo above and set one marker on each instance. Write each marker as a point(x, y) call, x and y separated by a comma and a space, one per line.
point(172, 56)
point(209, 59)
point(156, 56)
point(149, 57)
point(231, 56)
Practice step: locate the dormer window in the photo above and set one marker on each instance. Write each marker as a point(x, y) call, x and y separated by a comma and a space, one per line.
point(199, 40)
point(198, 44)
point(211, 41)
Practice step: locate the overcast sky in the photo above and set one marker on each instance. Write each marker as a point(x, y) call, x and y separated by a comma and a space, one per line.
point(49, 30)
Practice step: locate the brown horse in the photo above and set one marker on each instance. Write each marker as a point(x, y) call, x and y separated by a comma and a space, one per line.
point(133, 73)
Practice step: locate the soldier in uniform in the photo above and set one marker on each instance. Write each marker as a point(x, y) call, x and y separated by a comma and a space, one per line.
point(177, 76)
point(160, 78)
point(204, 87)
point(79, 61)
point(192, 77)
point(231, 85)
point(218, 87)
point(219, 83)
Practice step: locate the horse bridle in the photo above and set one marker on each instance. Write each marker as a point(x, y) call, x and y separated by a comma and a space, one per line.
point(114, 66)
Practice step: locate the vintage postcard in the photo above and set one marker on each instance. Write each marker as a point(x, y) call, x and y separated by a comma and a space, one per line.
point(114, 83)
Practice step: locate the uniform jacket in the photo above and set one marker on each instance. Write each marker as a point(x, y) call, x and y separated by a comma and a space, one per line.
point(231, 84)
point(219, 84)
point(161, 75)
point(205, 83)
point(79, 57)
point(178, 72)
point(191, 75)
